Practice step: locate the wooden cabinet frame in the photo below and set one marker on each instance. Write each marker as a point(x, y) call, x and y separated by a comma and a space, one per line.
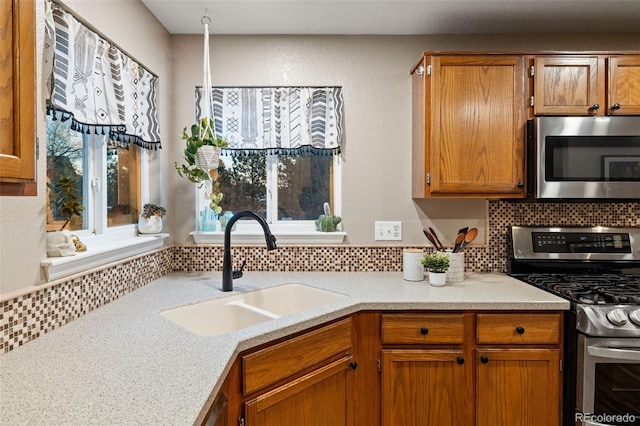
point(18, 98)
point(468, 129)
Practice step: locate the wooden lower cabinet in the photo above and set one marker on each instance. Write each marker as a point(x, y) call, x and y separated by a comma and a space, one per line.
point(403, 369)
point(321, 398)
point(518, 387)
point(426, 388)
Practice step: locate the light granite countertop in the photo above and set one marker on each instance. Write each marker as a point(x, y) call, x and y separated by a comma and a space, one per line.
point(125, 364)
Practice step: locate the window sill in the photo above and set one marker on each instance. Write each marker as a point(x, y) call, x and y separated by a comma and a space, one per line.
point(248, 234)
point(102, 250)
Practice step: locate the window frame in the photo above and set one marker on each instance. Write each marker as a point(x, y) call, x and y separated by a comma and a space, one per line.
point(95, 174)
point(285, 231)
point(105, 244)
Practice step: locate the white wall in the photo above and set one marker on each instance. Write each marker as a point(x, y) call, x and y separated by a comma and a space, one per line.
point(22, 225)
point(374, 73)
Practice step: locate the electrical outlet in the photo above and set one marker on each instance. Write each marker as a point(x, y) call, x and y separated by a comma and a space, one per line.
point(388, 231)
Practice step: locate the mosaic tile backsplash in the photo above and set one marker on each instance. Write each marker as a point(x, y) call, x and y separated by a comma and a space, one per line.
point(27, 317)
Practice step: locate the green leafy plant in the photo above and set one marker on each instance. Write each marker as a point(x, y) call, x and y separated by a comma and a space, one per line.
point(149, 210)
point(199, 135)
point(436, 261)
point(70, 205)
point(215, 197)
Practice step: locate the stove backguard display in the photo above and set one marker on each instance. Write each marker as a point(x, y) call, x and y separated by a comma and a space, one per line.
point(580, 242)
point(611, 247)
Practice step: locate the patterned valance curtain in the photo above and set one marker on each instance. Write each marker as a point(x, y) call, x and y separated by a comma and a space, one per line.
point(277, 120)
point(93, 83)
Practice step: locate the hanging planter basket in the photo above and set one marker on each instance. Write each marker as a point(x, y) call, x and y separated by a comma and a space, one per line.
point(207, 157)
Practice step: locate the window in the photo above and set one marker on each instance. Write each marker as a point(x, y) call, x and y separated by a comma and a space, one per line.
point(101, 121)
point(107, 178)
point(278, 187)
point(283, 156)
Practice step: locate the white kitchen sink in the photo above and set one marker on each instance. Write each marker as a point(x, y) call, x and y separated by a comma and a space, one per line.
point(219, 316)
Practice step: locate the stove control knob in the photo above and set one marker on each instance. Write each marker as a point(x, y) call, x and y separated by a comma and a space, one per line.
point(617, 317)
point(634, 316)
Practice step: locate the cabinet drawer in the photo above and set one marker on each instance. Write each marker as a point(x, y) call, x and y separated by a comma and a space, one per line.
point(423, 328)
point(284, 359)
point(520, 328)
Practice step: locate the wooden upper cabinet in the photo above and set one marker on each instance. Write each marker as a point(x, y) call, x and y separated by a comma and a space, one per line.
point(17, 97)
point(587, 85)
point(567, 85)
point(623, 91)
point(469, 119)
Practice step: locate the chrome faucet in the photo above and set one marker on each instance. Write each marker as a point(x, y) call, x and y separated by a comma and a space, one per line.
point(227, 273)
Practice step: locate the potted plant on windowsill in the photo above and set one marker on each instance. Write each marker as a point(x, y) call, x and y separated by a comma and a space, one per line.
point(61, 242)
point(437, 264)
point(150, 220)
point(201, 157)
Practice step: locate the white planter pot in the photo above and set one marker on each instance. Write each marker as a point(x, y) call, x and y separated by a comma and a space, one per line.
point(152, 225)
point(437, 279)
point(207, 157)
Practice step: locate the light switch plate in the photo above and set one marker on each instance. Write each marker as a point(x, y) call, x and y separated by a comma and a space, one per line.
point(388, 231)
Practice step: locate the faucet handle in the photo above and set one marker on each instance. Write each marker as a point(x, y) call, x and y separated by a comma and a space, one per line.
point(238, 272)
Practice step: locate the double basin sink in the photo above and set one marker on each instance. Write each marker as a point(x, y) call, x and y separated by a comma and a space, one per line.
point(220, 316)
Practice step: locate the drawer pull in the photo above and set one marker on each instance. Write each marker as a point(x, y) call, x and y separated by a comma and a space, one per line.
point(353, 365)
point(424, 330)
point(520, 330)
point(484, 359)
point(460, 360)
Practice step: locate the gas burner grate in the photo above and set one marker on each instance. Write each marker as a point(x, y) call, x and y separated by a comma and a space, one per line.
point(590, 289)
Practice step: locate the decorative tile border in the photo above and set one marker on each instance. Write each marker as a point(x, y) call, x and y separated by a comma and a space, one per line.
point(190, 258)
point(27, 317)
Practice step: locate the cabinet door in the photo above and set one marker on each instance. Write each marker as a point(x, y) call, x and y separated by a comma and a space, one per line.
point(565, 85)
point(17, 97)
point(426, 388)
point(321, 398)
point(478, 118)
point(623, 93)
point(518, 387)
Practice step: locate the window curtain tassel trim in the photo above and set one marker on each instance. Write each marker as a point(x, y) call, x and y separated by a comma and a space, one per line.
point(119, 99)
point(292, 121)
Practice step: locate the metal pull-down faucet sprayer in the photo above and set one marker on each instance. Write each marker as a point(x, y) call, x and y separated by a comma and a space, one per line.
point(227, 272)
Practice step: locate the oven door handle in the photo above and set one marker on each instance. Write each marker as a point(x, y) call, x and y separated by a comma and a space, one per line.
point(614, 353)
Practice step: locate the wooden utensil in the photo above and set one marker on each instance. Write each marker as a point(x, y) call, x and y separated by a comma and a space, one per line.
point(469, 237)
point(435, 237)
point(430, 238)
point(459, 241)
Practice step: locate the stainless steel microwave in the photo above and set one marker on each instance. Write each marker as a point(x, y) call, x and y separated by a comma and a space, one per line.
point(578, 158)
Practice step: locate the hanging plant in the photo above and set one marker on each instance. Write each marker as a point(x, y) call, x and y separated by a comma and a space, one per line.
point(200, 135)
point(215, 197)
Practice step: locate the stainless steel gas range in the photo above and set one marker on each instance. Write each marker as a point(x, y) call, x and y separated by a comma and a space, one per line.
point(598, 270)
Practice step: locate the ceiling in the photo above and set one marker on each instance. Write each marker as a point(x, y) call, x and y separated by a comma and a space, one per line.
point(397, 16)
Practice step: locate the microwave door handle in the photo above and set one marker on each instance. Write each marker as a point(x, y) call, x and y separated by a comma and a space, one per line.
point(614, 353)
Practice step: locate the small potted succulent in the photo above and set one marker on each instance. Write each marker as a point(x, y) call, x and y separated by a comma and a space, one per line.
point(437, 264)
point(150, 220)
